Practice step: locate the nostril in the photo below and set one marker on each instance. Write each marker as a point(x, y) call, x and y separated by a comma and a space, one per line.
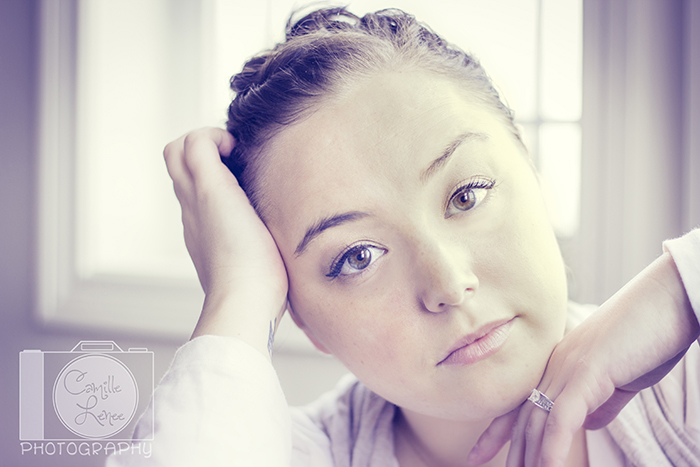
point(445, 280)
point(442, 300)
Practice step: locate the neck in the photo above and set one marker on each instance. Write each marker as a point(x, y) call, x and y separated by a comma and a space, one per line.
point(420, 440)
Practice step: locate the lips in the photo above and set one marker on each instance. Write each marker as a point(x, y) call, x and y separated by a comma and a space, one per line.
point(476, 346)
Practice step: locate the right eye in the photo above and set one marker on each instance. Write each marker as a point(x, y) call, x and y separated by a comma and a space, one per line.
point(355, 260)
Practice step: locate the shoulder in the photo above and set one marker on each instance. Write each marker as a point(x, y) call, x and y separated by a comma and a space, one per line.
point(678, 395)
point(685, 252)
point(342, 410)
point(661, 425)
point(348, 422)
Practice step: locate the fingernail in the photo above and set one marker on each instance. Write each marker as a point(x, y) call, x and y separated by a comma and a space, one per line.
point(473, 455)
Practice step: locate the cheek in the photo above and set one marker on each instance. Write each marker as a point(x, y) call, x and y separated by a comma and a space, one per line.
point(542, 278)
point(533, 242)
point(363, 330)
point(524, 262)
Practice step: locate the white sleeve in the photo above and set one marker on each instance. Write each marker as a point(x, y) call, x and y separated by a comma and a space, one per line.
point(220, 403)
point(686, 254)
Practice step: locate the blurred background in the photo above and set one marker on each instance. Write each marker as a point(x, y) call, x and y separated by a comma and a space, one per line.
point(607, 93)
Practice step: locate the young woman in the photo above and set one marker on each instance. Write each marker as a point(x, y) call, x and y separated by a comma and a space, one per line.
point(379, 191)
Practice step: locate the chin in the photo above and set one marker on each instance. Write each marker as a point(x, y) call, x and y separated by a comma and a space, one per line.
point(474, 405)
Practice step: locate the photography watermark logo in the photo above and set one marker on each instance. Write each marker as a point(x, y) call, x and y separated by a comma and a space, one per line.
point(93, 392)
point(95, 396)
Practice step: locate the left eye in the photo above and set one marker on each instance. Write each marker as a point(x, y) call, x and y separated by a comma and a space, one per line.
point(468, 197)
point(355, 260)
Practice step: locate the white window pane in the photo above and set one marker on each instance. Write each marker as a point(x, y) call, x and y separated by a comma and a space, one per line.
point(528, 131)
point(234, 32)
point(560, 171)
point(133, 96)
point(560, 87)
point(500, 33)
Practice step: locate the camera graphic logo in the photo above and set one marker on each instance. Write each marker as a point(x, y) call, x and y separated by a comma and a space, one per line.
point(94, 391)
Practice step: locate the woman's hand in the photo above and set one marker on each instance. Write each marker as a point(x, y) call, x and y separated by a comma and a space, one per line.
point(631, 342)
point(237, 261)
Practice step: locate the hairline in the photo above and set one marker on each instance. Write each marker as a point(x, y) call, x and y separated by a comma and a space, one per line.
point(348, 81)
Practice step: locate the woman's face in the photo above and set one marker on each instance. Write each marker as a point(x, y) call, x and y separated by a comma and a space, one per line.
point(411, 224)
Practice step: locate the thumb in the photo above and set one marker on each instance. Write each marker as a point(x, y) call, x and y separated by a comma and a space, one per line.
point(493, 439)
point(605, 414)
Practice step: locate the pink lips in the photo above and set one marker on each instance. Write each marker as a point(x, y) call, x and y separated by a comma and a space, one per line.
point(480, 344)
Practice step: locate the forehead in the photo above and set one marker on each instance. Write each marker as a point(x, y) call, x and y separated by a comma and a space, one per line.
point(374, 138)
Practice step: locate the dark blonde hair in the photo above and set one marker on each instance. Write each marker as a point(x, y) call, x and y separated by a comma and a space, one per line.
point(323, 54)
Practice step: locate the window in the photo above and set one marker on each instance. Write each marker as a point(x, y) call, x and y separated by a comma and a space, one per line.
point(139, 74)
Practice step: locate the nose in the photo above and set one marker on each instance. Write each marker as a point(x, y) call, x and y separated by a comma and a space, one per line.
point(446, 277)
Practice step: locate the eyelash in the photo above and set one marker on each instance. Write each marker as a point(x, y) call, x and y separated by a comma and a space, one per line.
point(480, 183)
point(339, 262)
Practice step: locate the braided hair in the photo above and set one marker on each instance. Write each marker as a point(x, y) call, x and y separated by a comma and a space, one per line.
point(324, 53)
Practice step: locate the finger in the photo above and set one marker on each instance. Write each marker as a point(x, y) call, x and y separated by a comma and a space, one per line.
point(528, 432)
point(516, 452)
point(223, 139)
point(493, 439)
point(203, 151)
point(173, 153)
point(183, 184)
point(534, 434)
point(609, 410)
point(565, 419)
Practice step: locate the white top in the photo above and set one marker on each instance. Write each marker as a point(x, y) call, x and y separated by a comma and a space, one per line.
point(220, 403)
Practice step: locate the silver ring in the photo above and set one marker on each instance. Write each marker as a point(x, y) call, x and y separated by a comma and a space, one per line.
point(540, 400)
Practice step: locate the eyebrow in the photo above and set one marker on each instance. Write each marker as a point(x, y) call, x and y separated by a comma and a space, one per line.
point(324, 224)
point(333, 221)
point(440, 162)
